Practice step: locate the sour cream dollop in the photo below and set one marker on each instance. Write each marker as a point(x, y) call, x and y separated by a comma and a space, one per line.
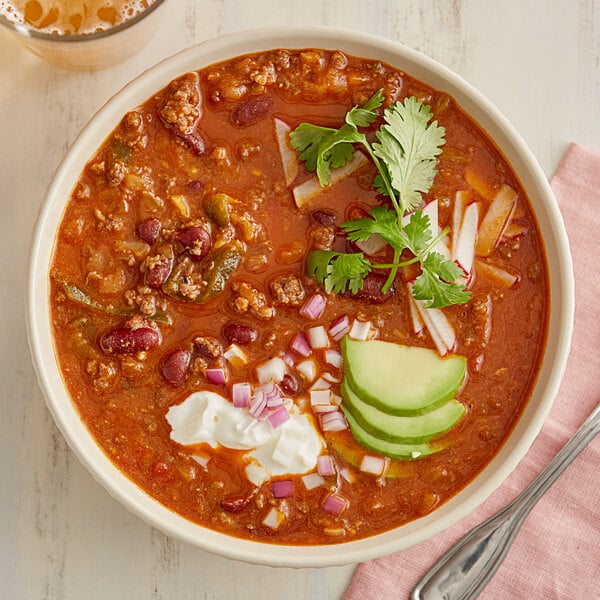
point(208, 417)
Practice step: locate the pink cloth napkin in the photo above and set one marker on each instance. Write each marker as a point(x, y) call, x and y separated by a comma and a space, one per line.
point(556, 555)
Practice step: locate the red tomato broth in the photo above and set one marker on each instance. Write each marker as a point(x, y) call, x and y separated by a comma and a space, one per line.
point(123, 399)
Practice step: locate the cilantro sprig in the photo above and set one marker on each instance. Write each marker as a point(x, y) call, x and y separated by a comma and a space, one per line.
point(405, 153)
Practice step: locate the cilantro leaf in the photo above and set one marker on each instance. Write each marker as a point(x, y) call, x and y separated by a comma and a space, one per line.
point(408, 145)
point(405, 154)
point(363, 116)
point(324, 148)
point(384, 222)
point(338, 271)
point(435, 283)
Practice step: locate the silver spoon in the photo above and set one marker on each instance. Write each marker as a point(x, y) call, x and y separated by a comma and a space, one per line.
point(467, 567)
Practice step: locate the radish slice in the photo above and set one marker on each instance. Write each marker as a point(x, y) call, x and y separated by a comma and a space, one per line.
point(439, 327)
point(464, 251)
point(460, 201)
point(372, 245)
point(496, 274)
point(417, 321)
point(514, 230)
point(495, 220)
point(431, 210)
point(289, 160)
point(306, 191)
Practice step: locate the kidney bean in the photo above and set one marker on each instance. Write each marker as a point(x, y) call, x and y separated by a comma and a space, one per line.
point(127, 340)
point(371, 291)
point(238, 502)
point(175, 366)
point(149, 230)
point(289, 384)
point(251, 111)
point(239, 333)
point(158, 272)
point(196, 239)
point(193, 140)
point(323, 217)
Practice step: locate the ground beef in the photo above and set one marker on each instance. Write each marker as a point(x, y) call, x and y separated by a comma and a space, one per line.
point(183, 107)
point(288, 290)
point(246, 298)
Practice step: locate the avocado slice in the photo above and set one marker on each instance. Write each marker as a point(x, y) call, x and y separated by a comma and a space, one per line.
point(392, 428)
point(401, 380)
point(391, 449)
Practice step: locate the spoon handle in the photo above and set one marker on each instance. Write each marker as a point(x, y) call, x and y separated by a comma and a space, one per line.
point(467, 567)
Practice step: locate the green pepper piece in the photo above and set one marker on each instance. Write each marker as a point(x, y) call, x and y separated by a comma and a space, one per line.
point(222, 263)
point(225, 260)
point(80, 297)
point(217, 208)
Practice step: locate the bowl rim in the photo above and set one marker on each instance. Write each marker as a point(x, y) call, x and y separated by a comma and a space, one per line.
point(422, 67)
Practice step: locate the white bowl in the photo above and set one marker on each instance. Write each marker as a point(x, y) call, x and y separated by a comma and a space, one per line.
point(424, 69)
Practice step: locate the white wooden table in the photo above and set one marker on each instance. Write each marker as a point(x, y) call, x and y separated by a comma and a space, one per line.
point(61, 534)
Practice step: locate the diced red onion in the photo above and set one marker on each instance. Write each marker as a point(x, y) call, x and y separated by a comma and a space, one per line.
point(320, 397)
point(273, 519)
point(283, 488)
point(347, 474)
point(312, 481)
point(278, 416)
point(241, 394)
point(325, 465)
point(201, 459)
point(373, 464)
point(271, 370)
point(334, 504)
point(288, 359)
point(324, 408)
point(331, 378)
point(317, 337)
point(307, 368)
point(258, 403)
point(216, 375)
point(334, 358)
point(333, 421)
point(236, 356)
point(300, 345)
point(314, 306)
point(339, 328)
point(320, 384)
point(360, 330)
